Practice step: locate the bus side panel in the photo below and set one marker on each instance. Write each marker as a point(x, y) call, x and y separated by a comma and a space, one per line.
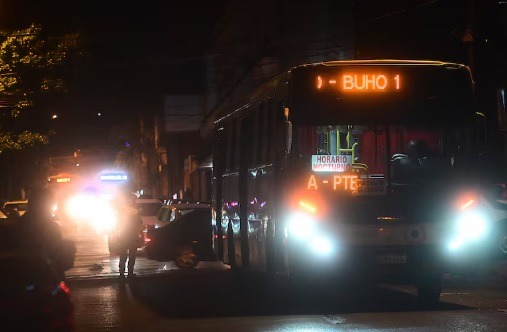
point(230, 219)
point(261, 185)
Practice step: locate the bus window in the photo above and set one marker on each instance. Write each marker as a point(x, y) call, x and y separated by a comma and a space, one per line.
point(280, 131)
point(267, 118)
point(236, 145)
point(368, 146)
point(228, 146)
point(271, 131)
point(262, 132)
point(256, 131)
point(247, 142)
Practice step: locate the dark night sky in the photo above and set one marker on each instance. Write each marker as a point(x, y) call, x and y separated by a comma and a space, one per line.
point(131, 45)
point(133, 48)
point(114, 25)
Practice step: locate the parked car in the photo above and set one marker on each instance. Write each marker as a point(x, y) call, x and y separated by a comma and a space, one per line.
point(173, 210)
point(34, 298)
point(186, 239)
point(148, 210)
point(17, 207)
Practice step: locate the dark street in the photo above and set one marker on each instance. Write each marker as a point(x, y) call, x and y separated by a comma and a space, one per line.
point(263, 165)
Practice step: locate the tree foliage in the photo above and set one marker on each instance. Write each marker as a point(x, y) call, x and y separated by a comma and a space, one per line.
point(32, 64)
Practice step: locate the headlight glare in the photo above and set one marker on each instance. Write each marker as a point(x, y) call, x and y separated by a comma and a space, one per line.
point(472, 225)
point(301, 225)
point(455, 244)
point(321, 245)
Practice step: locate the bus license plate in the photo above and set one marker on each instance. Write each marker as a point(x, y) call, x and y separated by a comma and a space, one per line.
point(391, 259)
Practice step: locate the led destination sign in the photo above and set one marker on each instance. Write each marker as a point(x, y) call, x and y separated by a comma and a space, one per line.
point(350, 183)
point(361, 82)
point(113, 177)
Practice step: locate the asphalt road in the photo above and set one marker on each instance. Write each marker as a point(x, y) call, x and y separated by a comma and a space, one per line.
point(205, 301)
point(210, 298)
point(94, 261)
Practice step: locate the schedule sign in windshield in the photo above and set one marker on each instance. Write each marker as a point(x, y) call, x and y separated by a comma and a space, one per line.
point(331, 163)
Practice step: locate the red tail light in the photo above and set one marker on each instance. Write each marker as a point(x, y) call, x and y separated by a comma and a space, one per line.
point(64, 288)
point(60, 310)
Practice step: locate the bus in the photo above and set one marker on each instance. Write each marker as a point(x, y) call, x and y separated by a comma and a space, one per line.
point(365, 167)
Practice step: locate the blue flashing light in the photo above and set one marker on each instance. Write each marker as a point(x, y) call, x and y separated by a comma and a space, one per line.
point(113, 177)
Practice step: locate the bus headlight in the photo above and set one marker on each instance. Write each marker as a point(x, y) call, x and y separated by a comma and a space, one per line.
point(321, 245)
point(301, 225)
point(309, 235)
point(471, 226)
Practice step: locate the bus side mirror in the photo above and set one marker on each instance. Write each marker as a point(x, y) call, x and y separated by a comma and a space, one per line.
point(288, 130)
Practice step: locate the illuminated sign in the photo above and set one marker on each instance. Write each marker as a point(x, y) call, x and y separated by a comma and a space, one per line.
point(113, 177)
point(371, 187)
point(362, 82)
point(331, 163)
point(348, 183)
point(62, 180)
point(336, 182)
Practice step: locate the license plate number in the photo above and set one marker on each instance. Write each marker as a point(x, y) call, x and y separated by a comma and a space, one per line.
point(391, 259)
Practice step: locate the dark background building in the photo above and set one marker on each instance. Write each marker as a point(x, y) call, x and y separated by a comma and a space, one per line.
point(152, 72)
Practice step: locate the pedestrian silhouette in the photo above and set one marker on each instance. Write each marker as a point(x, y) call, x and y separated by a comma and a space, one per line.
point(36, 231)
point(129, 236)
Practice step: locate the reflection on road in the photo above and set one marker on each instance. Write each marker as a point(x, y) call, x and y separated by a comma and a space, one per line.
point(93, 259)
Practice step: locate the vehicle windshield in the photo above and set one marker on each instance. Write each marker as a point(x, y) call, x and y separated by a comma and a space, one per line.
point(169, 214)
point(18, 206)
point(413, 153)
point(148, 209)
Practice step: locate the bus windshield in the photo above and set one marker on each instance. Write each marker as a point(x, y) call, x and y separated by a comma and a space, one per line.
point(414, 154)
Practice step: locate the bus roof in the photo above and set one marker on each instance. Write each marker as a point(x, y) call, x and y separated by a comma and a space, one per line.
point(387, 62)
point(221, 112)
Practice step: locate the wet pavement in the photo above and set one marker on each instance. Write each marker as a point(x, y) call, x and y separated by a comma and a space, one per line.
point(107, 267)
point(94, 261)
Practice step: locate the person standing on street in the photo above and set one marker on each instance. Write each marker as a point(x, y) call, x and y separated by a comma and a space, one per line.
point(130, 232)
